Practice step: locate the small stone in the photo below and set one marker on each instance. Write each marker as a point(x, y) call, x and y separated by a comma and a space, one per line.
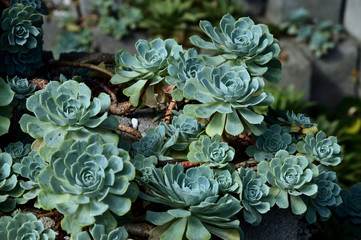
point(47, 222)
point(135, 123)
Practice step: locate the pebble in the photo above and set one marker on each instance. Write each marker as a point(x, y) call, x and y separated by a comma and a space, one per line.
point(135, 123)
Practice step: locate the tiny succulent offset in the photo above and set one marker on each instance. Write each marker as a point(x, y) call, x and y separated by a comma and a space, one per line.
point(88, 181)
point(273, 139)
point(251, 44)
point(21, 87)
point(24, 226)
point(322, 148)
point(211, 151)
point(18, 150)
point(290, 176)
point(66, 110)
point(225, 93)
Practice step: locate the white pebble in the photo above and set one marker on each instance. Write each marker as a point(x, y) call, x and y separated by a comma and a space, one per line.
point(135, 123)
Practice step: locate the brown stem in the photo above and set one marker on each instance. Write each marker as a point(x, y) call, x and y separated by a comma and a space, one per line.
point(251, 163)
point(168, 113)
point(6, 3)
point(110, 92)
point(39, 83)
point(141, 230)
point(84, 65)
point(130, 130)
point(122, 108)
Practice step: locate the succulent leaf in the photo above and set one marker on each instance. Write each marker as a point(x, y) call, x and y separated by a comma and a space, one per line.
point(351, 207)
point(18, 150)
point(21, 87)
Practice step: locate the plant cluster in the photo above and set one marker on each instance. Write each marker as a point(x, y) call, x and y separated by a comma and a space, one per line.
point(321, 37)
point(187, 172)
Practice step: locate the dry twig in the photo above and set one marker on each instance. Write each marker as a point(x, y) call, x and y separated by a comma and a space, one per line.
point(84, 65)
point(168, 113)
point(130, 130)
point(141, 230)
point(122, 108)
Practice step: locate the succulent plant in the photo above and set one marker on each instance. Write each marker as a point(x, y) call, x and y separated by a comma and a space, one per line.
point(6, 97)
point(211, 151)
point(256, 197)
point(296, 19)
point(29, 168)
point(252, 45)
point(9, 187)
point(18, 150)
point(351, 206)
point(24, 226)
point(21, 87)
point(144, 165)
point(198, 211)
point(322, 148)
point(290, 175)
point(154, 143)
point(87, 180)
point(228, 181)
point(148, 68)
point(225, 94)
point(21, 29)
point(64, 111)
point(328, 195)
point(98, 232)
point(273, 139)
point(38, 5)
point(187, 129)
point(182, 69)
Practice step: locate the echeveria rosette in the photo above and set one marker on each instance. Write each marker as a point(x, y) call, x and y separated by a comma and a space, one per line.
point(29, 168)
point(328, 195)
point(290, 175)
point(198, 210)
point(21, 29)
point(67, 110)
point(256, 198)
point(22, 64)
point(9, 186)
point(228, 180)
point(18, 150)
point(21, 87)
point(225, 93)
point(273, 139)
point(88, 181)
point(98, 231)
point(188, 130)
point(211, 151)
point(145, 165)
point(24, 226)
point(38, 5)
point(181, 69)
point(350, 209)
point(148, 68)
point(322, 148)
point(250, 44)
point(154, 143)
point(6, 97)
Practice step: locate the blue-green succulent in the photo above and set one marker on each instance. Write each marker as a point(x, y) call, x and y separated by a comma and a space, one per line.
point(21, 29)
point(350, 209)
point(328, 195)
point(29, 168)
point(322, 148)
point(145, 165)
point(67, 110)
point(24, 226)
point(9, 186)
point(296, 20)
point(22, 64)
point(273, 139)
point(225, 94)
point(98, 232)
point(21, 87)
point(6, 97)
point(18, 150)
point(228, 180)
point(250, 44)
point(211, 151)
point(197, 210)
point(88, 181)
point(291, 176)
point(154, 143)
point(256, 198)
point(148, 68)
point(38, 5)
point(182, 69)
point(187, 129)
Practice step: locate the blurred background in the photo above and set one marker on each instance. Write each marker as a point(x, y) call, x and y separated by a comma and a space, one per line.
point(320, 43)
